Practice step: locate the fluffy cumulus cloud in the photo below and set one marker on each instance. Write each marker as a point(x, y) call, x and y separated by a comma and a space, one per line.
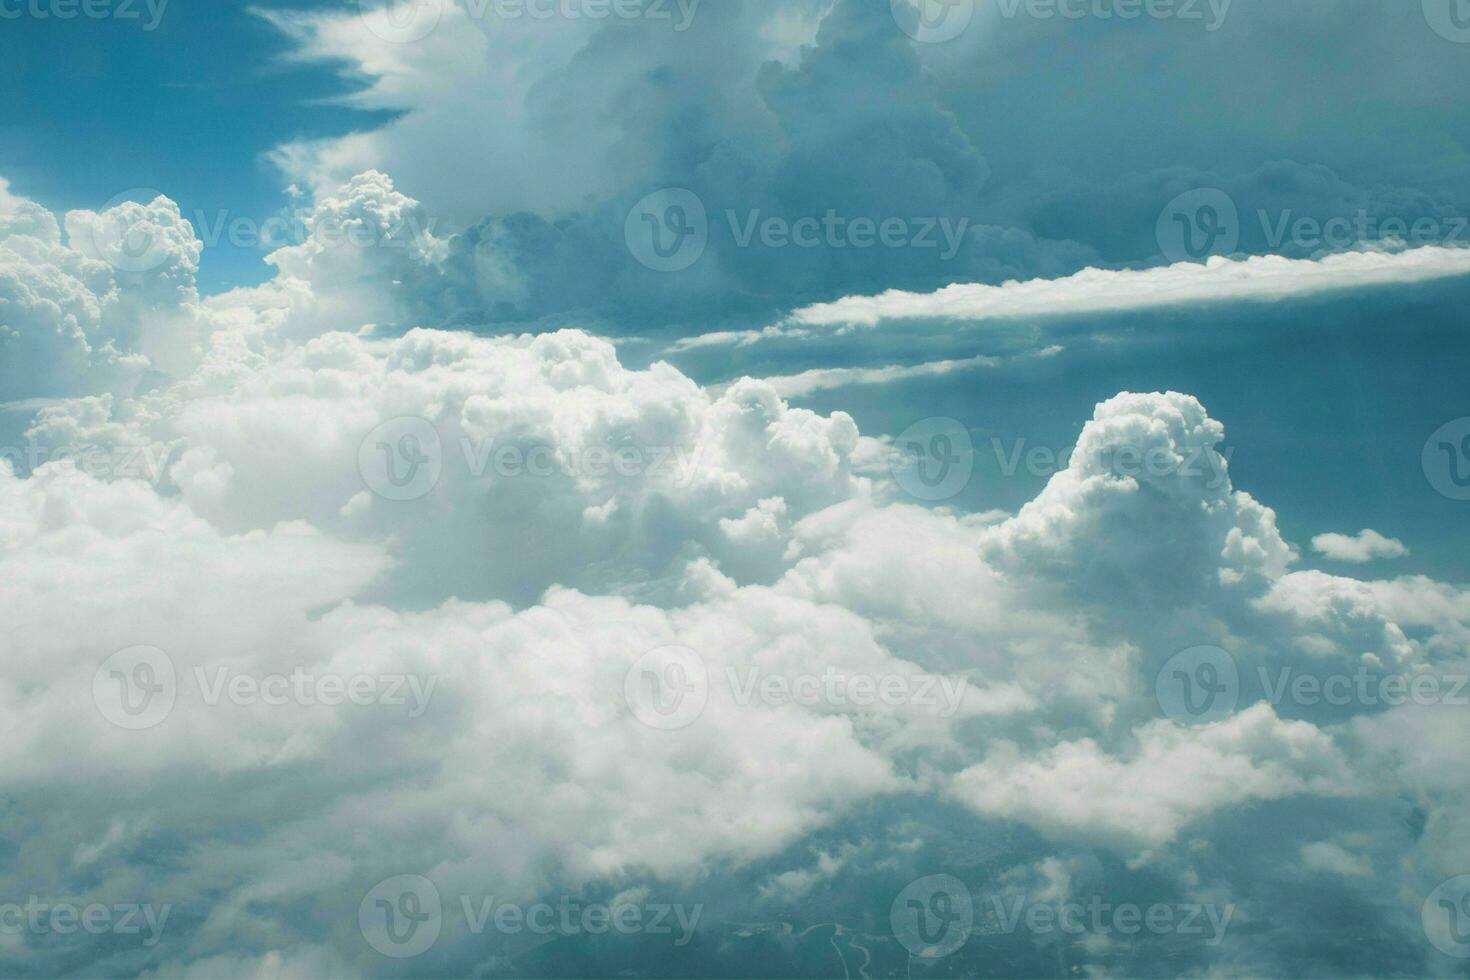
point(1364, 546)
point(1173, 776)
point(416, 600)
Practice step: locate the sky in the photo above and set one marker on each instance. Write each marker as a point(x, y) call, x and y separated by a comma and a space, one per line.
point(839, 488)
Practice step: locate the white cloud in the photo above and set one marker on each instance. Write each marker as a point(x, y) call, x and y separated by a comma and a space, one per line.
point(771, 546)
point(1145, 503)
point(1172, 776)
point(1364, 546)
point(1263, 279)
